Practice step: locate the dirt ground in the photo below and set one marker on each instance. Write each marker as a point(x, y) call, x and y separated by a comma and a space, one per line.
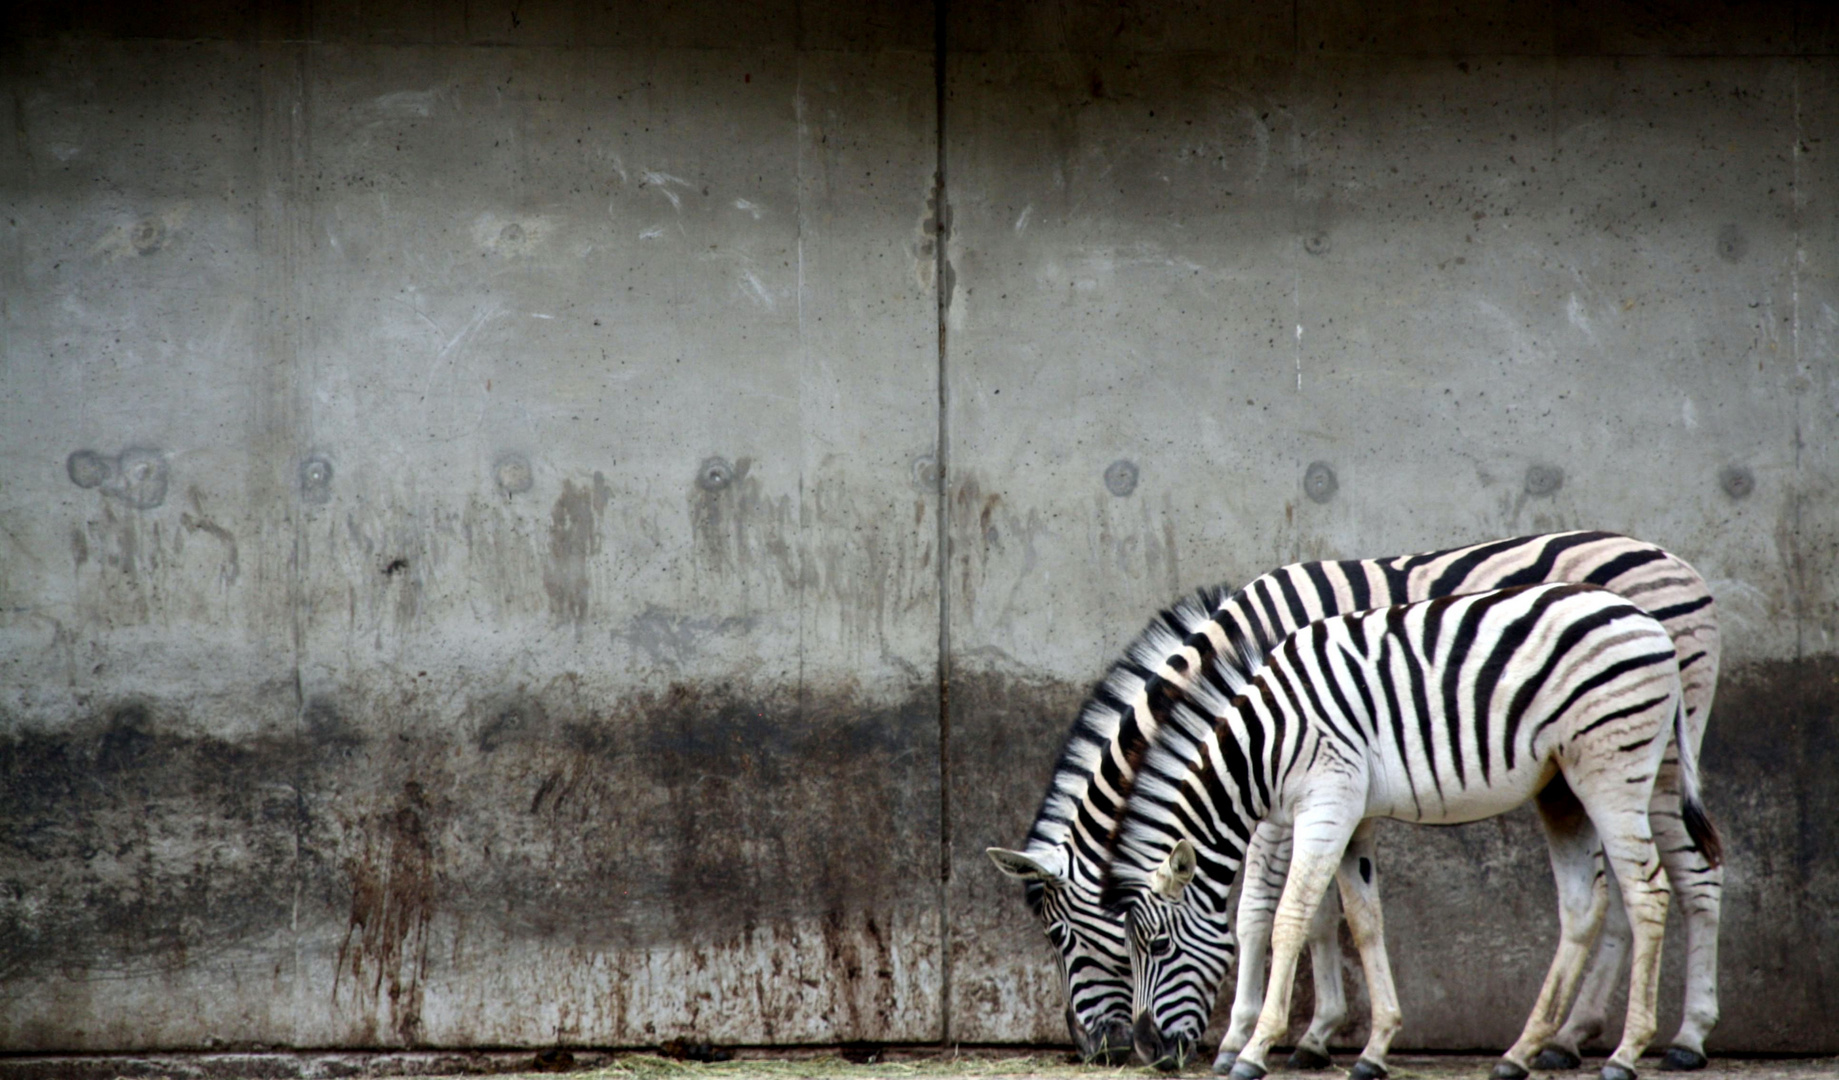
point(852, 1064)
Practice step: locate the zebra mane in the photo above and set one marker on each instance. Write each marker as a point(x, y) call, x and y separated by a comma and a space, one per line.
point(1138, 842)
point(1107, 725)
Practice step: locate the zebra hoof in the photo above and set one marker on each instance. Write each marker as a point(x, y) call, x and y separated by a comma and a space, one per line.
point(1367, 1070)
point(1680, 1059)
point(1507, 1070)
point(1612, 1071)
point(1245, 1070)
point(1304, 1058)
point(1553, 1058)
point(1223, 1064)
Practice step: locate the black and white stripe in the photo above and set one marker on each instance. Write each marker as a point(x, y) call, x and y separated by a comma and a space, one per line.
point(1443, 711)
point(1068, 843)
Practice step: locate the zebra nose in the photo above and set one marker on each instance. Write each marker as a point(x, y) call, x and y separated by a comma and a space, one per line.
point(1107, 1042)
point(1111, 1044)
point(1148, 1039)
point(1169, 1055)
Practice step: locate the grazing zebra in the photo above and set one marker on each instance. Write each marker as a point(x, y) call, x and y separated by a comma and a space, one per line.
point(1440, 712)
point(1063, 859)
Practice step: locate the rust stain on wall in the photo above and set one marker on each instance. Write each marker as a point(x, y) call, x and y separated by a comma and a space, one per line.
point(394, 893)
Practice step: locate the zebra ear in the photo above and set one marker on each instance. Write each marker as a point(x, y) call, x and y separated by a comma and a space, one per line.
point(1021, 867)
point(1176, 871)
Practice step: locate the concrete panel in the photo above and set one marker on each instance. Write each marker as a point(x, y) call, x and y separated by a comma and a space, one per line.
point(1808, 527)
point(564, 669)
point(1492, 295)
point(626, 336)
point(147, 658)
point(1089, 314)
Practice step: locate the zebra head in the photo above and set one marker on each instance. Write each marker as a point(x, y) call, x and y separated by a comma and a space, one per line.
point(1089, 944)
point(1180, 950)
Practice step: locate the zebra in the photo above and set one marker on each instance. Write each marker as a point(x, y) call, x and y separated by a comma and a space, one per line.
point(1062, 861)
point(1440, 712)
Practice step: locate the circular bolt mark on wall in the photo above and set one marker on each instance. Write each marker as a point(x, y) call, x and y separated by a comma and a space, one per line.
point(513, 475)
point(1121, 477)
point(148, 235)
point(316, 481)
point(1737, 481)
point(1317, 244)
point(926, 473)
point(1542, 480)
point(1732, 244)
point(715, 475)
point(140, 478)
point(514, 718)
point(1319, 482)
point(89, 469)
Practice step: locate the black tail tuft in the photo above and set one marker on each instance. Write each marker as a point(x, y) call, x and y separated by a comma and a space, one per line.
point(1703, 832)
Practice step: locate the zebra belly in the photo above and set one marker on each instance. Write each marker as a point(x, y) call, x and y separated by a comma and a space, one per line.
point(1415, 794)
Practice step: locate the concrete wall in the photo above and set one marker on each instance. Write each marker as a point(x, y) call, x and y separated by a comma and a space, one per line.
point(471, 560)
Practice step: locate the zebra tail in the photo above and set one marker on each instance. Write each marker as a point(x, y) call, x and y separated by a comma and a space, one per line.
point(1698, 824)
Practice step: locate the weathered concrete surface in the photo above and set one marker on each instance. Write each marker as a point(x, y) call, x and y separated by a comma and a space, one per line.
point(469, 544)
point(536, 637)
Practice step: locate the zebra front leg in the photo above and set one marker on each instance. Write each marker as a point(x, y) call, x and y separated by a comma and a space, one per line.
point(1320, 837)
point(1359, 879)
point(1330, 988)
point(1267, 862)
point(1582, 901)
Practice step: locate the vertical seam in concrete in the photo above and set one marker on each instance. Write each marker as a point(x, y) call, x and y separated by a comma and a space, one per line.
point(941, 268)
point(804, 343)
point(278, 243)
point(1794, 338)
point(1296, 207)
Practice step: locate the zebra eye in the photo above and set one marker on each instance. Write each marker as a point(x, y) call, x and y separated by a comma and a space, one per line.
point(1159, 945)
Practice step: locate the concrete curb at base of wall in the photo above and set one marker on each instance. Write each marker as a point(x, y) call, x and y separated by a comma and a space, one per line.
point(290, 1065)
point(314, 1066)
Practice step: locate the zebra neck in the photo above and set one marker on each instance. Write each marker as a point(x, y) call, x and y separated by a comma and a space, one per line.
point(1223, 798)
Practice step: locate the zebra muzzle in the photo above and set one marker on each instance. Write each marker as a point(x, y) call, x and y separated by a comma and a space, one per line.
point(1107, 1042)
point(1167, 1054)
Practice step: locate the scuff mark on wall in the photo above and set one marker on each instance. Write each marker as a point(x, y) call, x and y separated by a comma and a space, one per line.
point(231, 567)
point(572, 540)
point(671, 639)
point(736, 527)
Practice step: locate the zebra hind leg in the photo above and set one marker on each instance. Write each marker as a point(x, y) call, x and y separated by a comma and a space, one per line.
point(1590, 1012)
point(1582, 901)
point(1699, 887)
point(1645, 894)
point(1358, 876)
